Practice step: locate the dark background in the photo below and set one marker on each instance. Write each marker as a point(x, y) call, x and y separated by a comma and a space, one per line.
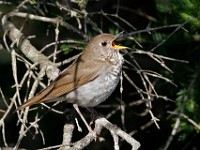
point(141, 14)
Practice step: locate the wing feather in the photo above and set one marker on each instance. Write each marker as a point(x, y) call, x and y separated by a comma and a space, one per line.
point(74, 76)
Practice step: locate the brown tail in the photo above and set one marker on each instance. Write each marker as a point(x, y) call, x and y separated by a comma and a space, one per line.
point(37, 99)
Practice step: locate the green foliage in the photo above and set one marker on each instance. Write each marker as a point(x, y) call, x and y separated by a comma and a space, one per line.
point(186, 76)
point(188, 103)
point(33, 2)
point(66, 49)
point(69, 48)
point(191, 11)
point(187, 10)
point(113, 30)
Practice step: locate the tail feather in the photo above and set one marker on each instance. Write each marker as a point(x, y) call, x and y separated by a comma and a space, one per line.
point(37, 99)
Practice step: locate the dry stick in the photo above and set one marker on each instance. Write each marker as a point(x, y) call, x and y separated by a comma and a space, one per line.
point(134, 40)
point(85, 122)
point(73, 13)
point(114, 111)
point(5, 41)
point(24, 129)
point(28, 50)
point(134, 85)
point(24, 114)
point(14, 69)
point(148, 30)
point(22, 132)
point(5, 115)
point(6, 3)
point(68, 60)
point(106, 124)
point(80, 14)
point(180, 112)
point(56, 42)
point(36, 83)
point(20, 5)
point(159, 58)
point(3, 97)
point(115, 139)
point(145, 79)
point(121, 101)
point(106, 15)
point(187, 118)
point(19, 116)
point(61, 42)
point(15, 35)
point(170, 35)
point(99, 124)
point(24, 45)
point(52, 109)
point(36, 126)
point(4, 134)
point(143, 127)
point(31, 53)
point(46, 19)
point(33, 124)
point(114, 22)
point(157, 75)
point(13, 101)
point(142, 93)
point(138, 12)
point(67, 135)
point(138, 68)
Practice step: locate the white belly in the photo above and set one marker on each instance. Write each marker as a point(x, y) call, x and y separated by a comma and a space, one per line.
point(94, 92)
point(99, 89)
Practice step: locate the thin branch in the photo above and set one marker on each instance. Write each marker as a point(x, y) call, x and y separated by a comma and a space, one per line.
point(180, 113)
point(187, 118)
point(100, 123)
point(29, 50)
point(49, 20)
point(149, 30)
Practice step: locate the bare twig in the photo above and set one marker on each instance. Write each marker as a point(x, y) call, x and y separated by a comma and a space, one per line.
point(100, 123)
point(28, 50)
point(180, 114)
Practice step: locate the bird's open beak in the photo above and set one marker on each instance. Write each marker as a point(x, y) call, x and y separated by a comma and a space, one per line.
point(117, 46)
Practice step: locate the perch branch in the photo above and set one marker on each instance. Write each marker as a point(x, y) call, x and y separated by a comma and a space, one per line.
point(100, 123)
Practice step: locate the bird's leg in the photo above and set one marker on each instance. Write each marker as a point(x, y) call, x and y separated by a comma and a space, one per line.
point(85, 122)
point(94, 114)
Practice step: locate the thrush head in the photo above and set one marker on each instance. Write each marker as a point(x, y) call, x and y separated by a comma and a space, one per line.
point(103, 45)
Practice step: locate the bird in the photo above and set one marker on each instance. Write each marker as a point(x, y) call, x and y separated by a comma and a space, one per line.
point(90, 79)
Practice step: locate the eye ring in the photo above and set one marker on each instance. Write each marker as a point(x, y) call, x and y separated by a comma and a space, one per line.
point(104, 43)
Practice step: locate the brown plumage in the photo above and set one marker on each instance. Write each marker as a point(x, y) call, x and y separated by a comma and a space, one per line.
point(90, 79)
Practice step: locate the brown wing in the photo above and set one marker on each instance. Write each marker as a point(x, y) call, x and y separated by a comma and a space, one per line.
point(37, 98)
point(77, 74)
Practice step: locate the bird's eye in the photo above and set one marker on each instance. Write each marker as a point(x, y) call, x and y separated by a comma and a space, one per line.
point(103, 43)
